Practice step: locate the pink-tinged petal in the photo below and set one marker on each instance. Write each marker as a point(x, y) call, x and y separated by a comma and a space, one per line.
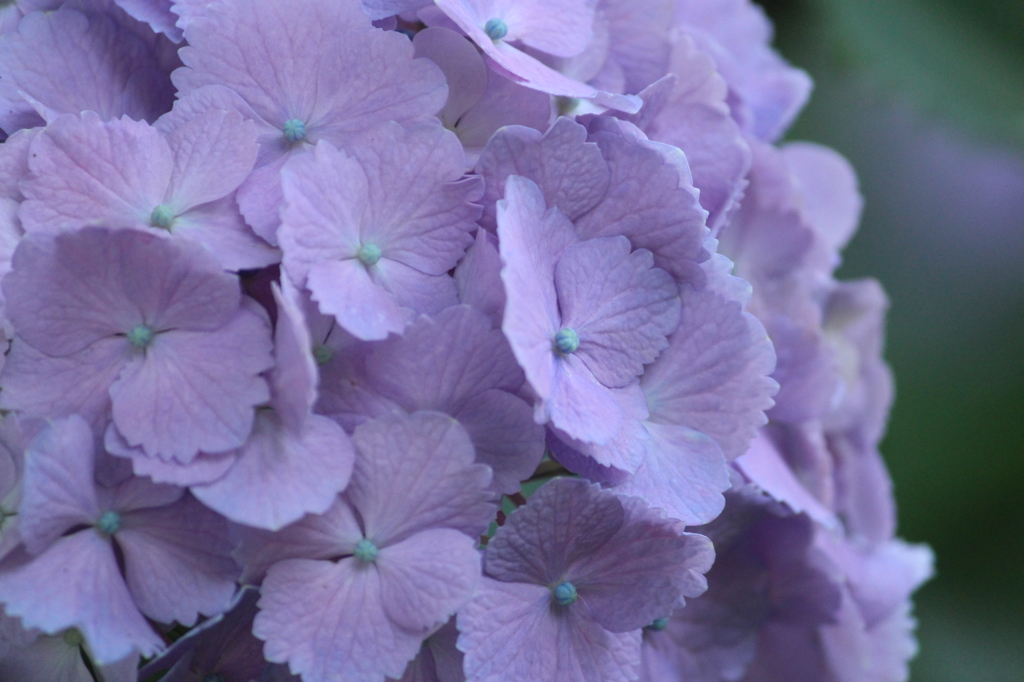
point(505, 436)
point(67, 62)
point(683, 473)
point(178, 561)
point(565, 521)
point(618, 457)
point(294, 379)
point(346, 290)
point(194, 391)
point(463, 68)
point(651, 199)
point(213, 154)
point(426, 461)
point(510, 632)
point(568, 170)
point(714, 376)
point(579, 404)
point(58, 491)
point(532, 239)
point(478, 278)
point(327, 621)
point(688, 109)
point(763, 465)
point(503, 103)
point(281, 474)
point(526, 69)
point(77, 583)
point(644, 570)
point(427, 578)
point(325, 196)
point(203, 469)
point(439, 363)
point(220, 228)
point(621, 307)
point(39, 385)
point(419, 208)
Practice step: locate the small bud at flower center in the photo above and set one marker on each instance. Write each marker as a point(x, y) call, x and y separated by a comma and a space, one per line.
point(365, 551)
point(369, 254)
point(140, 336)
point(322, 354)
point(658, 625)
point(162, 216)
point(109, 523)
point(496, 28)
point(565, 594)
point(294, 130)
point(566, 341)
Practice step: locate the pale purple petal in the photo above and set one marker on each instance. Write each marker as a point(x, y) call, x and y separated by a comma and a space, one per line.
point(714, 376)
point(68, 62)
point(203, 469)
point(213, 154)
point(328, 622)
point(579, 404)
point(478, 278)
point(194, 390)
point(683, 473)
point(58, 490)
point(464, 69)
point(177, 561)
point(503, 103)
point(427, 577)
point(346, 290)
point(426, 461)
point(510, 633)
point(83, 589)
point(281, 474)
point(621, 307)
point(294, 379)
point(570, 172)
point(505, 436)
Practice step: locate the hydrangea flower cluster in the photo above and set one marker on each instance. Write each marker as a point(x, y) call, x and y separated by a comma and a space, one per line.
point(464, 340)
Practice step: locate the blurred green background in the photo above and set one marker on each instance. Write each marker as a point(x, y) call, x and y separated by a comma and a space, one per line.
point(926, 99)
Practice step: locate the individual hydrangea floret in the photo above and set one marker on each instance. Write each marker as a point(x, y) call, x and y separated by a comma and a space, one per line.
point(139, 326)
point(325, 74)
point(352, 594)
point(618, 307)
point(376, 231)
point(175, 552)
point(123, 173)
point(569, 580)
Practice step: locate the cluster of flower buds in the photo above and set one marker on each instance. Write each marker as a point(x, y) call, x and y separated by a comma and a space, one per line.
point(464, 340)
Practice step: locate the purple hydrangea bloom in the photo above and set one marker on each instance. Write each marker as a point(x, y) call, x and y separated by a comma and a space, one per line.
point(325, 74)
point(123, 173)
point(570, 579)
point(68, 61)
point(175, 553)
point(375, 232)
point(135, 325)
point(391, 561)
point(60, 657)
point(582, 317)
